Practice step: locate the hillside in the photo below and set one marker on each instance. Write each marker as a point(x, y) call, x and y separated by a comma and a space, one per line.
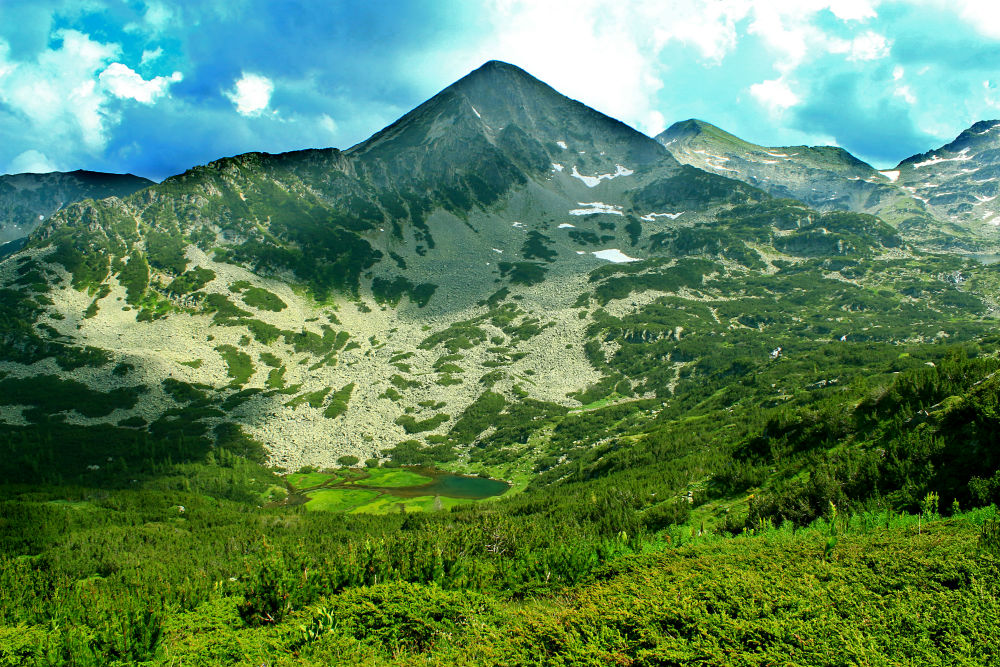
point(449, 248)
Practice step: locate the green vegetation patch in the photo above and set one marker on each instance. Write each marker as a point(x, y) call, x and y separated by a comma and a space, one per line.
point(238, 363)
point(260, 298)
point(339, 401)
point(223, 308)
point(411, 425)
point(393, 478)
point(50, 394)
point(523, 273)
point(480, 415)
point(308, 480)
point(313, 398)
point(388, 503)
point(339, 500)
point(391, 291)
point(535, 246)
point(191, 280)
point(462, 335)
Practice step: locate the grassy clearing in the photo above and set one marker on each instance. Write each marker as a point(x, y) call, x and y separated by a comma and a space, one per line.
point(308, 480)
point(339, 500)
point(389, 478)
point(386, 504)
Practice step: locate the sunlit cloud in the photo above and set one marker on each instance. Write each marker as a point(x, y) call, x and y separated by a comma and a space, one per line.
point(251, 94)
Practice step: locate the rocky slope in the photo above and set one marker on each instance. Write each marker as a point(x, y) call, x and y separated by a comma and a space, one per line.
point(959, 182)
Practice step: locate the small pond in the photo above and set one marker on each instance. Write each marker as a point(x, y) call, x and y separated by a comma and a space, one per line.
point(453, 486)
point(380, 490)
point(987, 259)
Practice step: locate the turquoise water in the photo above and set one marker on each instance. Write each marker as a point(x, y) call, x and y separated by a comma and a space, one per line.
point(450, 485)
point(443, 483)
point(987, 259)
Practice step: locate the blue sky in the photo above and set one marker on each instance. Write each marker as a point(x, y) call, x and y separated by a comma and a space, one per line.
point(153, 87)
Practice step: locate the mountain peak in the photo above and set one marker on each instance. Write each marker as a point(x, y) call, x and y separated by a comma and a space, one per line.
point(693, 127)
point(499, 96)
point(980, 136)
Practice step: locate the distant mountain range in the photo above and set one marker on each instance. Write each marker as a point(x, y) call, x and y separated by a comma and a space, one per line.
point(28, 199)
point(942, 198)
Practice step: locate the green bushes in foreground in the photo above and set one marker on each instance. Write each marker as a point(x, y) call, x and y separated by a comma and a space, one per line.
point(893, 589)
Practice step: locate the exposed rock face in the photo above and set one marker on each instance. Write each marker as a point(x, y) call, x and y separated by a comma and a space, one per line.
point(960, 181)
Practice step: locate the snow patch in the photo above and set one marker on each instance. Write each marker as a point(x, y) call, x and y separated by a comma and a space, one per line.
point(711, 155)
point(517, 225)
point(581, 252)
point(650, 217)
point(565, 225)
point(934, 159)
point(613, 255)
point(596, 207)
point(983, 199)
point(892, 175)
point(592, 181)
point(498, 251)
point(557, 167)
point(562, 145)
point(478, 115)
point(776, 154)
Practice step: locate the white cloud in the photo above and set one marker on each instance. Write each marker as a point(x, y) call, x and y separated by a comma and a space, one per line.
point(124, 82)
point(328, 124)
point(32, 162)
point(653, 123)
point(57, 93)
point(869, 46)
point(709, 27)
point(906, 93)
point(983, 15)
point(774, 94)
point(897, 72)
point(251, 94)
point(157, 15)
point(600, 52)
point(852, 10)
point(149, 56)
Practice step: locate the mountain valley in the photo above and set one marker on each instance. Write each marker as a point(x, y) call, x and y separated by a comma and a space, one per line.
point(679, 354)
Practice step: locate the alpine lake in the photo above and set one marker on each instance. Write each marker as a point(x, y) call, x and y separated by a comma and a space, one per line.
point(384, 490)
